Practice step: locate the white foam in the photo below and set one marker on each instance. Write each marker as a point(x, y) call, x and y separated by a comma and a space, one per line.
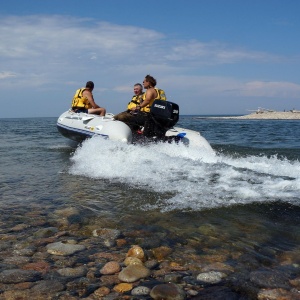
point(198, 178)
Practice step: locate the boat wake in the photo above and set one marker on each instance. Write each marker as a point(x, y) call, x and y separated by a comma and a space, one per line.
point(189, 178)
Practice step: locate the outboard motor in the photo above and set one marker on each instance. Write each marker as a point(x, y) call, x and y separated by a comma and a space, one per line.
point(163, 116)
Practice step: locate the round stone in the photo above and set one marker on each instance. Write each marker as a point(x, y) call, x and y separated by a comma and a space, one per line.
point(63, 249)
point(133, 273)
point(111, 267)
point(167, 291)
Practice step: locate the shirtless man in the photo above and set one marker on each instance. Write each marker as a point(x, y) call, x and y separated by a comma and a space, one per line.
point(83, 101)
point(152, 93)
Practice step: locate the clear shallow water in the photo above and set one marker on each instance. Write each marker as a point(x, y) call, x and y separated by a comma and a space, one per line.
point(247, 191)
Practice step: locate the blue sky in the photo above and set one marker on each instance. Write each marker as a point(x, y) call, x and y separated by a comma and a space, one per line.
point(210, 56)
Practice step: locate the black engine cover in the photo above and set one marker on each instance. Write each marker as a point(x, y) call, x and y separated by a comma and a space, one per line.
point(165, 112)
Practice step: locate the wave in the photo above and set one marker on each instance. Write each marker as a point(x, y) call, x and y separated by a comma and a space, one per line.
point(192, 178)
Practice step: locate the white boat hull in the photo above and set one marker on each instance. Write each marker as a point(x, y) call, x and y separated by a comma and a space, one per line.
point(79, 126)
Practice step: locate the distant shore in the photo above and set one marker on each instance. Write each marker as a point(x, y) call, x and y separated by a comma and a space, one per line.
point(265, 115)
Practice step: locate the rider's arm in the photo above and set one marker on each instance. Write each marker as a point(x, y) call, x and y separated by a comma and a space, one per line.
point(150, 95)
point(90, 98)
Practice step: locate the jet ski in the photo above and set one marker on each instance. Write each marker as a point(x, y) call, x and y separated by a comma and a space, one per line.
point(160, 127)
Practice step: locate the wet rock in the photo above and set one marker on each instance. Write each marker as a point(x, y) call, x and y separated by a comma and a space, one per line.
point(264, 259)
point(40, 256)
point(82, 287)
point(44, 241)
point(45, 232)
point(101, 292)
point(114, 296)
point(68, 216)
point(23, 285)
point(48, 286)
point(140, 291)
point(7, 267)
point(75, 221)
point(71, 241)
point(28, 251)
point(248, 261)
point(177, 267)
point(219, 267)
point(16, 260)
point(123, 287)
point(8, 238)
point(290, 257)
point(61, 262)
point(295, 282)
point(214, 258)
point(132, 261)
point(208, 230)
point(291, 271)
point(107, 236)
point(107, 233)
point(137, 252)
point(73, 272)
point(63, 249)
point(169, 291)
point(91, 274)
point(151, 264)
point(18, 275)
point(133, 273)
point(147, 243)
point(67, 212)
point(190, 280)
point(18, 294)
point(191, 292)
point(4, 245)
point(107, 256)
point(211, 277)
point(174, 277)
point(161, 253)
point(277, 294)
point(121, 242)
point(269, 279)
point(20, 227)
point(217, 293)
point(241, 284)
point(40, 266)
point(109, 280)
point(161, 272)
point(111, 267)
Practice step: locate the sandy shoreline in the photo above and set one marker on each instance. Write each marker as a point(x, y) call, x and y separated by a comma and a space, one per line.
point(266, 115)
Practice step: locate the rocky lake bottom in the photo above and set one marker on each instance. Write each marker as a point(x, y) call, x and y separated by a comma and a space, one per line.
point(61, 255)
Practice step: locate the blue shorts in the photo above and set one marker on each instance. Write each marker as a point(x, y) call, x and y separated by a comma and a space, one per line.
point(81, 110)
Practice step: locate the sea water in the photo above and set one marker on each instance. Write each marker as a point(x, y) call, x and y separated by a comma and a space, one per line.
point(247, 189)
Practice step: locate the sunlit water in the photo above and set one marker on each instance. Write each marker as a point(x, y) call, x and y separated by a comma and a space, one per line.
point(248, 188)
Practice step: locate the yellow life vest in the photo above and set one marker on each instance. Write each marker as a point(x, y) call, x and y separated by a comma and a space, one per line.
point(80, 101)
point(136, 100)
point(161, 95)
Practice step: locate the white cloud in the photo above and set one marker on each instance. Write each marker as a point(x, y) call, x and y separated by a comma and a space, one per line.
point(51, 56)
point(123, 88)
point(7, 75)
point(55, 41)
point(271, 89)
point(214, 53)
point(209, 86)
point(68, 37)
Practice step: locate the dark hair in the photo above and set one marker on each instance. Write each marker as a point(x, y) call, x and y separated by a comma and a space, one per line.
point(151, 79)
point(90, 85)
point(139, 85)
